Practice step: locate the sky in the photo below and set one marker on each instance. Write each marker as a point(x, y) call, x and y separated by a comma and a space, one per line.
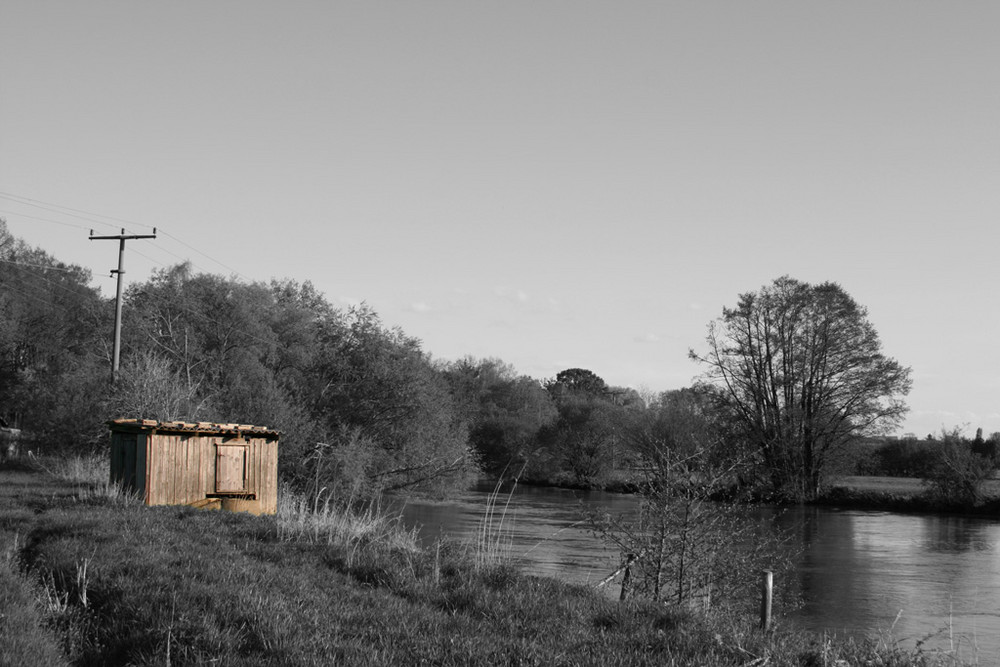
point(556, 184)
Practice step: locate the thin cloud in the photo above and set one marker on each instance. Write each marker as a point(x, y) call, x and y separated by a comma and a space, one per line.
point(511, 294)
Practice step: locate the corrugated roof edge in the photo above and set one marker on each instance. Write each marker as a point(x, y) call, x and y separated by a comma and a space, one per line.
point(191, 427)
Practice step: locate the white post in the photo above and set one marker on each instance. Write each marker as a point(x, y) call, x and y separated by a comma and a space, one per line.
point(766, 595)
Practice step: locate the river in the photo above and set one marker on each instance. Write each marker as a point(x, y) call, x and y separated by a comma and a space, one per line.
point(929, 578)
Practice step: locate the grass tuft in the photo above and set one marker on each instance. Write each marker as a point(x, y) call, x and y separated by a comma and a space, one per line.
point(343, 524)
point(494, 541)
point(89, 475)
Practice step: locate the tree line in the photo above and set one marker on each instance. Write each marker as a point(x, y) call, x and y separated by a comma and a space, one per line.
point(791, 378)
point(360, 405)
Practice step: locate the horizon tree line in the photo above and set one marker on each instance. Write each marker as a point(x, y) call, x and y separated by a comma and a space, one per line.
point(792, 376)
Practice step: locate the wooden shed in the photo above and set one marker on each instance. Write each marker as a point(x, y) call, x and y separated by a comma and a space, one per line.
point(232, 466)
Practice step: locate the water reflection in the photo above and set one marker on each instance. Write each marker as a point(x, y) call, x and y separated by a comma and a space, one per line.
point(924, 578)
point(931, 578)
point(950, 536)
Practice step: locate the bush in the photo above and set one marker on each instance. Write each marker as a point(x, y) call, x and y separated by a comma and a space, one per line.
point(957, 478)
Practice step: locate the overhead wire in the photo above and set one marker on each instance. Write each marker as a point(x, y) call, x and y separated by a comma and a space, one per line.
point(161, 248)
point(39, 266)
point(73, 212)
point(41, 298)
point(151, 259)
point(35, 217)
point(204, 255)
point(46, 297)
point(80, 213)
point(40, 205)
point(52, 282)
point(38, 291)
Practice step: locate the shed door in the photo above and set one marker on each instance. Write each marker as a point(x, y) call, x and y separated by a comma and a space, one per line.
point(231, 469)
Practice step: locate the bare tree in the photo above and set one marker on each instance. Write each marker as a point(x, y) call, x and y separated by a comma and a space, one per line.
point(689, 544)
point(801, 368)
point(149, 388)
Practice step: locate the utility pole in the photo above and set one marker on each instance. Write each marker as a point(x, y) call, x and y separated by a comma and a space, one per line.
point(121, 238)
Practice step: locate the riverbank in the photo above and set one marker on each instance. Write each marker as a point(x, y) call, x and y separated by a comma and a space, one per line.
point(91, 577)
point(902, 494)
point(889, 494)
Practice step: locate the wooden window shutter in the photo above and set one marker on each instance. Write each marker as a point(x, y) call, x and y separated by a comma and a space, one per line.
point(231, 469)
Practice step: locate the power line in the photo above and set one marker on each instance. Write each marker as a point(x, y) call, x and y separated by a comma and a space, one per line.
point(39, 266)
point(77, 289)
point(42, 298)
point(77, 225)
point(45, 296)
point(174, 254)
point(56, 210)
point(73, 211)
point(204, 255)
point(35, 217)
point(72, 290)
point(151, 259)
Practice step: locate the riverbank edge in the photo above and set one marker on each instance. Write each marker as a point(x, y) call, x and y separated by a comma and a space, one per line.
point(839, 495)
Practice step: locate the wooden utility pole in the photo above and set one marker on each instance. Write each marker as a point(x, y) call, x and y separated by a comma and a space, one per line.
point(121, 238)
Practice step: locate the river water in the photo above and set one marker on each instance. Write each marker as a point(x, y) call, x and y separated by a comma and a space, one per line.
point(915, 578)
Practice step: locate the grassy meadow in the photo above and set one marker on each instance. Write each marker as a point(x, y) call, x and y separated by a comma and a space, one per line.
point(904, 494)
point(903, 486)
point(91, 577)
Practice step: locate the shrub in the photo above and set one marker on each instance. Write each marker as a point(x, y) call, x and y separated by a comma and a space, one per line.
point(958, 477)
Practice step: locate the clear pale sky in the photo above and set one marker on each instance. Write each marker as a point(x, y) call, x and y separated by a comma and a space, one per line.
point(557, 184)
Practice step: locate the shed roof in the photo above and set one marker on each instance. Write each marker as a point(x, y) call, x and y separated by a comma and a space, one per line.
point(213, 428)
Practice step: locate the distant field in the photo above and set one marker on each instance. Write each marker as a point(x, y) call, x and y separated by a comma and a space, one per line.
point(909, 486)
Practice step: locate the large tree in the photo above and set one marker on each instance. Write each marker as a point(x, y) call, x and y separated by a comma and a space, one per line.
point(505, 412)
point(800, 368)
point(578, 381)
point(582, 442)
point(374, 389)
point(359, 405)
point(54, 363)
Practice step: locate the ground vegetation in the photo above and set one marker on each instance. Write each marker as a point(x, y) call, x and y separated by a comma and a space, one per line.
point(91, 577)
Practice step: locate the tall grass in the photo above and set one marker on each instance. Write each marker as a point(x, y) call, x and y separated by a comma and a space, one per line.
point(345, 524)
point(24, 638)
point(494, 539)
point(89, 474)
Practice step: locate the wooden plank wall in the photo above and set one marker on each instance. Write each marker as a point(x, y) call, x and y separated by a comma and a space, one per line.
point(182, 470)
point(128, 461)
point(141, 469)
point(264, 455)
point(178, 468)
